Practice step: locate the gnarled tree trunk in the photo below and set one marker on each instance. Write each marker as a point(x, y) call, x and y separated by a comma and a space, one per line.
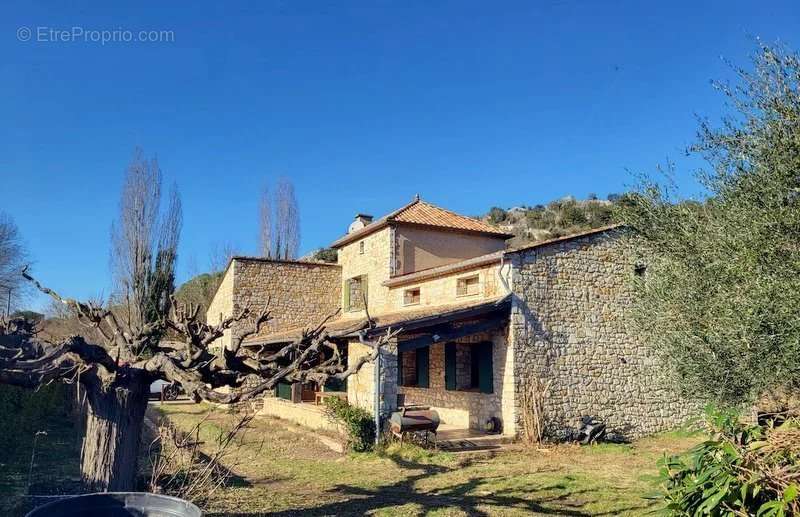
point(113, 428)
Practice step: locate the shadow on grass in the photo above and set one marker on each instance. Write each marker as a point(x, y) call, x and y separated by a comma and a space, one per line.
point(474, 497)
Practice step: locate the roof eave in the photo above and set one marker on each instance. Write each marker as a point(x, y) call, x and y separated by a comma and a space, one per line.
point(448, 269)
point(566, 238)
point(358, 234)
point(488, 307)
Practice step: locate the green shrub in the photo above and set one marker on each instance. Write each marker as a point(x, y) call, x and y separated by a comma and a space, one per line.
point(741, 470)
point(358, 422)
point(497, 215)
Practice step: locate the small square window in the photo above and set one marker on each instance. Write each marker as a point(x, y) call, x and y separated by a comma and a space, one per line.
point(468, 285)
point(411, 296)
point(361, 247)
point(355, 293)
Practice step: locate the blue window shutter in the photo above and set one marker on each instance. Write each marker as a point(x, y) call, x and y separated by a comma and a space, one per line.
point(450, 366)
point(423, 362)
point(485, 367)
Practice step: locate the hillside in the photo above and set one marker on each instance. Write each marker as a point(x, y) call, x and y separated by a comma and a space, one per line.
point(530, 224)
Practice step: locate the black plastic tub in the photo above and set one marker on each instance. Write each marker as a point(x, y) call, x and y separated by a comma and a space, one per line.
point(118, 504)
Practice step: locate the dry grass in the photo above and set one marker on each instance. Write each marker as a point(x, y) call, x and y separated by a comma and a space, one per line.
point(533, 397)
point(292, 474)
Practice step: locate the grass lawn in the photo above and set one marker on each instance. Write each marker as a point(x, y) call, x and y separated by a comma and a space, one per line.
point(280, 472)
point(55, 468)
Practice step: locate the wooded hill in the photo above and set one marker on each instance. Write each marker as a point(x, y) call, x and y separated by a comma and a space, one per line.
point(530, 224)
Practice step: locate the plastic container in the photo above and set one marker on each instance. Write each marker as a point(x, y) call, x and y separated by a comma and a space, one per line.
point(118, 504)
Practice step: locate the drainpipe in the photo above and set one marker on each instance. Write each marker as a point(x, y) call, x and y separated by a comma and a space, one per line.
point(377, 395)
point(502, 277)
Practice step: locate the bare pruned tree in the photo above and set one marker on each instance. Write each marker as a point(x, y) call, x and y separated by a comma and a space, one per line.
point(279, 222)
point(12, 258)
point(117, 370)
point(120, 355)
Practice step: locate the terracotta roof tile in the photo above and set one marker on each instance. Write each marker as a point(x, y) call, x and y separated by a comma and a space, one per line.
point(423, 213)
point(431, 215)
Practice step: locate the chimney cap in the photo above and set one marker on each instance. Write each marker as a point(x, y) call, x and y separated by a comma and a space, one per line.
point(359, 222)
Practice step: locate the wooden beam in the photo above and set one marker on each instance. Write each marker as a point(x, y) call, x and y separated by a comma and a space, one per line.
point(490, 309)
point(453, 333)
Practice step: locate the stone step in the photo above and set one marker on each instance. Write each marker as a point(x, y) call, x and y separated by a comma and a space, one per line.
point(488, 442)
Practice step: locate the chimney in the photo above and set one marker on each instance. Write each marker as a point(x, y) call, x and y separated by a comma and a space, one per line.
point(360, 221)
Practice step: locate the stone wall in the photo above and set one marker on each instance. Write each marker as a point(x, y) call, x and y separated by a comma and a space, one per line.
point(443, 290)
point(570, 325)
point(297, 293)
point(308, 415)
point(361, 385)
point(221, 306)
point(374, 262)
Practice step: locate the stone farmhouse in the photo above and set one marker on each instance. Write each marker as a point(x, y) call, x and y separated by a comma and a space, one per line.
point(479, 323)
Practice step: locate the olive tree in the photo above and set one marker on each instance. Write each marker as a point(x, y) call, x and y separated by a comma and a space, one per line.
point(721, 294)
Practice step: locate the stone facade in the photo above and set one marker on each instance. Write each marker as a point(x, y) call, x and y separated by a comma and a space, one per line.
point(361, 386)
point(221, 306)
point(443, 290)
point(297, 293)
point(570, 325)
point(374, 262)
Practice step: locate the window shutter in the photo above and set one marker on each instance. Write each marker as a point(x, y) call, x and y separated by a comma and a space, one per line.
point(423, 362)
point(450, 366)
point(283, 390)
point(485, 367)
point(364, 290)
point(346, 295)
point(400, 368)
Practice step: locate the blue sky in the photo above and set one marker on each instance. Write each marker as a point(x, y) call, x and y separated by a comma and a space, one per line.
point(362, 105)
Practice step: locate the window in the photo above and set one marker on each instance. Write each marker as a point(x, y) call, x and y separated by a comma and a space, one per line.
point(413, 367)
point(411, 296)
point(469, 367)
point(355, 293)
point(361, 248)
point(468, 285)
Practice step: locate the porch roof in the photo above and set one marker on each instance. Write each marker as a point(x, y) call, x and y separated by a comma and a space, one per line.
point(409, 320)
